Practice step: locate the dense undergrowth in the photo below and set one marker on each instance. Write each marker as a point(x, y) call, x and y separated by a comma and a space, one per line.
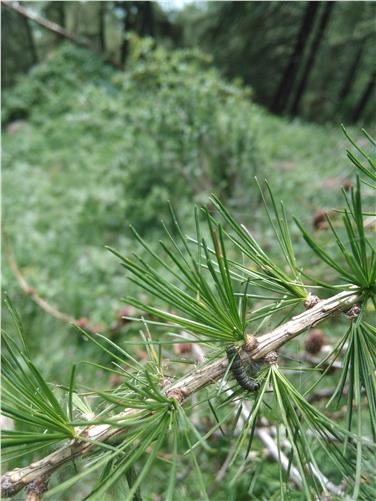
point(94, 150)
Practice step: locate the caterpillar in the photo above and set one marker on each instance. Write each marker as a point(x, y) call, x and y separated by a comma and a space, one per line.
point(239, 371)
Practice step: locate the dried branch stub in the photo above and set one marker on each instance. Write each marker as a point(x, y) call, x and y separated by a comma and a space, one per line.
point(353, 312)
point(36, 488)
point(271, 358)
point(311, 301)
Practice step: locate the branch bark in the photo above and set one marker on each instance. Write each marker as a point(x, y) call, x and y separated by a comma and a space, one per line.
point(15, 480)
point(36, 489)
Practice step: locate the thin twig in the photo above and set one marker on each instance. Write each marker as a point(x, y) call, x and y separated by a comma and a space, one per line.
point(54, 312)
point(279, 456)
point(223, 469)
point(14, 481)
point(265, 434)
point(370, 222)
point(30, 291)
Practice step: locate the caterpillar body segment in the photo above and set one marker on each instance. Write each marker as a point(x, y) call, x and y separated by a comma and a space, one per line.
point(239, 371)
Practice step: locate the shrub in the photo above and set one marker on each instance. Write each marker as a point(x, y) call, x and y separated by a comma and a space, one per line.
point(176, 129)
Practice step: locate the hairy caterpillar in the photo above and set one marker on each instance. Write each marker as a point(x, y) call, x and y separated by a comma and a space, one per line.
point(239, 371)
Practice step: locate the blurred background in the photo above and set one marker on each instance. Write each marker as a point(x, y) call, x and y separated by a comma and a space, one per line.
point(309, 59)
point(110, 109)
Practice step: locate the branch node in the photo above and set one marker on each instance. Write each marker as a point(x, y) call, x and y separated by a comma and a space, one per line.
point(311, 301)
point(250, 344)
point(36, 488)
point(353, 312)
point(8, 486)
point(271, 358)
point(165, 382)
point(176, 393)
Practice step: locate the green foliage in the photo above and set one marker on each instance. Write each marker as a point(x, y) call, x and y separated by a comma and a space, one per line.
point(191, 132)
point(206, 295)
point(147, 424)
point(211, 315)
point(27, 399)
point(271, 276)
point(360, 366)
point(369, 167)
point(298, 416)
point(51, 88)
point(176, 130)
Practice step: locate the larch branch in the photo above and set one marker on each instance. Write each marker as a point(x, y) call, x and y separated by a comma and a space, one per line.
point(15, 480)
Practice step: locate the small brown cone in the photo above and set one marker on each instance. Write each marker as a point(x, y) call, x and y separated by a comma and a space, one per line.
point(315, 341)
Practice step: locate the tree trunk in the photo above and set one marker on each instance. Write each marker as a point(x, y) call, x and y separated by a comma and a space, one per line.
point(102, 26)
point(139, 17)
point(31, 43)
point(124, 46)
point(55, 12)
point(127, 26)
point(146, 15)
point(350, 77)
point(365, 97)
point(289, 76)
point(61, 14)
point(18, 51)
point(323, 23)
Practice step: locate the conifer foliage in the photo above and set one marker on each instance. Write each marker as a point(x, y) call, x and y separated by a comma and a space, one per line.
point(216, 289)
